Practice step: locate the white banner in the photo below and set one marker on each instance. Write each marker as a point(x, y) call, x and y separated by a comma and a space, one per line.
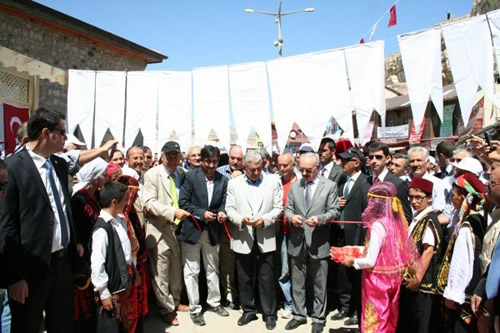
point(211, 103)
point(365, 65)
point(418, 51)
point(142, 95)
point(399, 132)
point(81, 93)
point(174, 108)
point(494, 20)
point(469, 48)
point(109, 105)
point(250, 102)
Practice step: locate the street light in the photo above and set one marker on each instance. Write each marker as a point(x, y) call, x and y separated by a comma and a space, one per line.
point(279, 43)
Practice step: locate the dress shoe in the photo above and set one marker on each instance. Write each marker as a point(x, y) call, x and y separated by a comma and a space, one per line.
point(317, 328)
point(270, 323)
point(171, 319)
point(246, 318)
point(353, 320)
point(219, 310)
point(182, 308)
point(339, 315)
point(232, 305)
point(294, 323)
point(198, 319)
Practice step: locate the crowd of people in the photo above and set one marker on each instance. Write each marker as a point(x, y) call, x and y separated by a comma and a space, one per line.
point(387, 242)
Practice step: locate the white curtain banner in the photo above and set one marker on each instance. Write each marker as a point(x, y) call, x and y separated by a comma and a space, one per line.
point(470, 51)
point(418, 51)
point(399, 132)
point(211, 103)
point(494, 20)
point(365, 65)
point(287, 77)
point(81, 93)
point(109, 105)
point(250, 102)
point(327, 93)
point(141, 108)
point(174, 108)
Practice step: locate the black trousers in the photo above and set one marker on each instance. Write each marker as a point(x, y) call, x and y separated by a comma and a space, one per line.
point(53, 294)
point(415, 309)
point(257, 268)
point(108, 323)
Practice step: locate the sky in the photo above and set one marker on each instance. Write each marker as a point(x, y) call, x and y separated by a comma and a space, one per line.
point(200, 33)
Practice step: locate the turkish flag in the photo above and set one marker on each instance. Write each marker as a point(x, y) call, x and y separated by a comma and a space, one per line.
point(13, 117)
point(362, 41)
point(393, 19)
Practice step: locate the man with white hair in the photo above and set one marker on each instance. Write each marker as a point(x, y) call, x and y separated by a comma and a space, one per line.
point(441, 193)
point(193, 157)
point(253, 203)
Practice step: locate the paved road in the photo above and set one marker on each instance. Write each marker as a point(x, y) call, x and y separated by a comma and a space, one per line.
point(219, 324)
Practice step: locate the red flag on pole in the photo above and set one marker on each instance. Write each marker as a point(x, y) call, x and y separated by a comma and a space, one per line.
point(13, 117)
point(393, 19)
point(362, 41)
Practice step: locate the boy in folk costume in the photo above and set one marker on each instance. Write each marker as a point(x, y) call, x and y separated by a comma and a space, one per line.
point(418, 307)
point(111, 260)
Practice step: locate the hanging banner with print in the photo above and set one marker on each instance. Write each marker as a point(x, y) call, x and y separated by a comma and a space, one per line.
point(447, 124)
point(13, 118)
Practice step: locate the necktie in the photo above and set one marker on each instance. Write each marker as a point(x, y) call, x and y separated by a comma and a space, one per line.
point(60, 211)
point(323, 171)
point(308, 195)
point(173, 193)
point(376, 180)
point(347, 187)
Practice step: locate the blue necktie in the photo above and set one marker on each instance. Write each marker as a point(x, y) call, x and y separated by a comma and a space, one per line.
point(57, 199)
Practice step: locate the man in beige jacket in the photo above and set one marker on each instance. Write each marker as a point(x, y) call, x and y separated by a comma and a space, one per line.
point(160, 198)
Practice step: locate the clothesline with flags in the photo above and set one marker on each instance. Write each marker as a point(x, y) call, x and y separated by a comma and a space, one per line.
point(393, 20)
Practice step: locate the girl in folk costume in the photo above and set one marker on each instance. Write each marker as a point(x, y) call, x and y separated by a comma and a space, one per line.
point(419, 306)
point(388, 251)
point(138, 293)
point(460, 270)
point(85, 208)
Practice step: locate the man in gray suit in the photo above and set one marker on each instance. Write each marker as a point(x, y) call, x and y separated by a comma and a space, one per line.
point(254, 202)
point(311, 203)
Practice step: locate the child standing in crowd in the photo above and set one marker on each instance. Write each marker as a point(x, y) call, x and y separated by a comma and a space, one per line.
point(111, 260)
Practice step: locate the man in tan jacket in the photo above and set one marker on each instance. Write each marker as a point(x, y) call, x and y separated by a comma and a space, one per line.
point(160, 198)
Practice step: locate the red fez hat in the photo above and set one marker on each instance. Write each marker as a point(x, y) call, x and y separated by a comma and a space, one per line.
point(422, 184)
point(341, 146)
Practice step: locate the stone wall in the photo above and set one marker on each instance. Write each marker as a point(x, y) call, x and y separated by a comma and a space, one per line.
point(484, 6)
point(60, 50)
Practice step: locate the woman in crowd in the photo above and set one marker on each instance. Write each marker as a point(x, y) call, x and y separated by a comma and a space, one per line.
point(388, 251)
point(460, 270)
point(85, 207)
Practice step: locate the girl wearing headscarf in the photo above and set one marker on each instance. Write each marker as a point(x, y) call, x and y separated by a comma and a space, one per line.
point(460, 270)
point(86, 208)
point(388, 251)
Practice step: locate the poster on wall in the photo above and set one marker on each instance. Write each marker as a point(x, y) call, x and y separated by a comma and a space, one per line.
point(447, 124)
point(13, 118)
point(414, 136)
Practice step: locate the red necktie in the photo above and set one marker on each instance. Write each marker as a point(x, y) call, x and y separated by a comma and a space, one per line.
point(377, 180)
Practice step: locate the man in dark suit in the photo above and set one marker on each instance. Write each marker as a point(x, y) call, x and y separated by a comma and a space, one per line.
point(378, 157)
point(329, 169)
point(203, 194)
point(352, 202)
point(311, 202)
point(38, 239)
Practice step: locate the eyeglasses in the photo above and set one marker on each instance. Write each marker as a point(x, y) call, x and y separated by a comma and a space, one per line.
point(306, 170)
point(417, 198)
point(378, 157)
point(455, 160)
point(3, 186)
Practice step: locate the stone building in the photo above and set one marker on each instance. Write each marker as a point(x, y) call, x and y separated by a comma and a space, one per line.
point(38, 45)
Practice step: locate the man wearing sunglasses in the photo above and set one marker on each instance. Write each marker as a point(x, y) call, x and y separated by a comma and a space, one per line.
point(38, 239)
point(378, 158)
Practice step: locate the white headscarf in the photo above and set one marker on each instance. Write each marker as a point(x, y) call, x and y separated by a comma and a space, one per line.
point(89, 172)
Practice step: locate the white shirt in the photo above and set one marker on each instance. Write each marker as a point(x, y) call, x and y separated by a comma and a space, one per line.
point(428, 237)
point(210, 189)
point(313, 184)
point(440, 191)
point(461, 267)
point(99, 275)
point(327, 169)
point(42, 170)
point(377, 236)
point(382, 175)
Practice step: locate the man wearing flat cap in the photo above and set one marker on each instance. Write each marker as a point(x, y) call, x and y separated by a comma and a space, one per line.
point(353, 199)
point(417, 304)
point(160, 197)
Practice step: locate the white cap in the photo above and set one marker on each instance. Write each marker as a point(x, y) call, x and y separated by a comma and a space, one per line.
point(470, 164)
point(71, 139)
